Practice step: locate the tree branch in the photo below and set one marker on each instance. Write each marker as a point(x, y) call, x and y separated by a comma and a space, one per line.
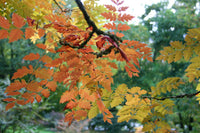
point(94, 30)
point(178, 96)
point(62, 10)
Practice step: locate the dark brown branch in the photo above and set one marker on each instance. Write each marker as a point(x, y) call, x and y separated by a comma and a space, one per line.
point(82, 44)
point(178, 96)
point(95, 30)
point(91, 23)
point(62, 10)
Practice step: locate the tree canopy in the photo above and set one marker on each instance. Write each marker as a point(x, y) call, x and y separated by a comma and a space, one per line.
point(82, 47)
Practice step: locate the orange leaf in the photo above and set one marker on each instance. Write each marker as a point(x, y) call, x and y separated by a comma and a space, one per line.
point(22, 72)
point(119, 34)
point(100, 105)
point(43, 73)
point(41, 32)
point(33, 86)
point(3, 34)
point(9, 99)
point(13, 93)
point(67, 96)
point(21, 102)
point(71, 105)
point(84, 104)
point(30, 99)
point(16, 85)
point(110, 7)
point(124, 17)
point(123, 8)
point(4, 23)
point(46, 59)
point(15, 34)
point(45, 93)
point(32, 56)
point(29, 33)
point(111, 26)
point(52, 50)
point(123, 27)
point(27, 95)
point(69, 117)
point(80, 114)
point(40, 45)
point(110, 16)
point(9, 106)
point(38, 98)
point(52, 85)
point(18, 21)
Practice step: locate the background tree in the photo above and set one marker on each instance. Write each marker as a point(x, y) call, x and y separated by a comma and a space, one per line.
point(83, 61)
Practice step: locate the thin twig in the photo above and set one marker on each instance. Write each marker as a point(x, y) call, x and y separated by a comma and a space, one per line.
point(58, 5)
point(178, 96)
point(62, 10)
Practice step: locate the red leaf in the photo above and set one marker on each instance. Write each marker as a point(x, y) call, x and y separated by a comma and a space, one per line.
point(18, 21)
point(32, 56)
point(15, 34)
point(3, 34)
point(13, 93)
point(100, 43)
point(30, 21)
point(9, 99)
point(4, 23)
point(38, 98)
point(21, 102)
point(9, 106)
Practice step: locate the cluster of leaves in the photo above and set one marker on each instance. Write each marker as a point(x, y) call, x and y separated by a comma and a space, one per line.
point(78, 66)
point(85, 58)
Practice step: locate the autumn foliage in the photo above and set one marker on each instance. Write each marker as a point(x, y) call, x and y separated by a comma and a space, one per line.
point(84, 66)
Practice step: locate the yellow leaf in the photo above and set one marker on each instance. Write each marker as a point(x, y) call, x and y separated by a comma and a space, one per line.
point(170, 59)
point(178, 56)
point(124, 118)
point(93, 112)
point(116, 101)
point(187, 53)
point(177, 45)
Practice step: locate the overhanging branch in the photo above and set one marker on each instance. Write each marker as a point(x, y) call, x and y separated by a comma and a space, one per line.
point(178, 96)
point(94, 30)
